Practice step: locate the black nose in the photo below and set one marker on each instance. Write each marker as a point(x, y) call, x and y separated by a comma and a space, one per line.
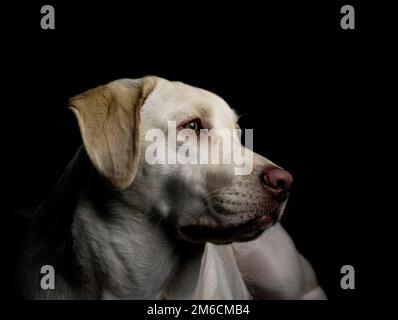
point(277, 179)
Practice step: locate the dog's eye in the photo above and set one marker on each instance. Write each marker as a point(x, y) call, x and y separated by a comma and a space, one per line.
point(193, 125)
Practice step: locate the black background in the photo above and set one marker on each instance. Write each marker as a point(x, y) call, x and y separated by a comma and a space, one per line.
point(301, 81)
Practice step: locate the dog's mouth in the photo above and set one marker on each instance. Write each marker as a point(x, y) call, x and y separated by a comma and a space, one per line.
point(245, 231)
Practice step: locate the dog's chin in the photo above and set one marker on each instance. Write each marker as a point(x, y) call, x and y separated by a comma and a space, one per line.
point(242, 232)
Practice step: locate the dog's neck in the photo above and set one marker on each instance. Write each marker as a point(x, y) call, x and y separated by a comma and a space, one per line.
point(125, 251)
point(100, 245)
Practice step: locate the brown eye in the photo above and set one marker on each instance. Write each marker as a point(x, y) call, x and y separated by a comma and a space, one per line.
point(193, 125)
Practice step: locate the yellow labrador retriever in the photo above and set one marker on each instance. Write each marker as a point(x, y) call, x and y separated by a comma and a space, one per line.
point(120, 227)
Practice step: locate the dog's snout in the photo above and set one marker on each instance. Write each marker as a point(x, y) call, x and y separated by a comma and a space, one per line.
point(277, 179)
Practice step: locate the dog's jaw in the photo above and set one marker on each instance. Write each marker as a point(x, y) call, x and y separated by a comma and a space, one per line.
point(249, 228)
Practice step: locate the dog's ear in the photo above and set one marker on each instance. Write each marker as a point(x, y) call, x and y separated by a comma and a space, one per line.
point(109, 121)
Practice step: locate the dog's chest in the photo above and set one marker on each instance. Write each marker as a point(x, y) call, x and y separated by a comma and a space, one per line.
point(214, 276)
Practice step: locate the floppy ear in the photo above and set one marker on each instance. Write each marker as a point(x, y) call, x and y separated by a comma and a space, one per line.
point(109, 121)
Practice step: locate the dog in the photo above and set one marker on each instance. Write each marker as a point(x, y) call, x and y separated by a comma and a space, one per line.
point(117, 227)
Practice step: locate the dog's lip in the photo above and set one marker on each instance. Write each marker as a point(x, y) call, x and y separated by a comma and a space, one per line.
point(252, 226)
point(265, 219)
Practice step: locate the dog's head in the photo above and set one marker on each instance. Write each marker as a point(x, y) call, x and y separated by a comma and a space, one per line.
point(202, 200)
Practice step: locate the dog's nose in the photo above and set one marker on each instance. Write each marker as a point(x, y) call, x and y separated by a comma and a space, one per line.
point(277, 179)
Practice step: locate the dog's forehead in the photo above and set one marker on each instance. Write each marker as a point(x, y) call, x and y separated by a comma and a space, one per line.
point(169, 99)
